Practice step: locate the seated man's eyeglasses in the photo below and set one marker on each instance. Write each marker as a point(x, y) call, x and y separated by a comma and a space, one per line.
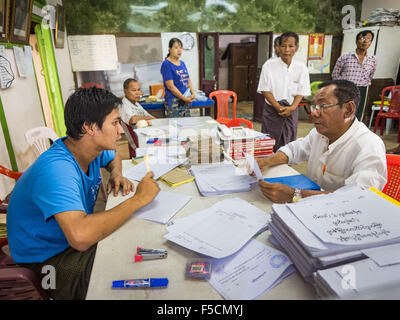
point(365, 39)
point(319, 108)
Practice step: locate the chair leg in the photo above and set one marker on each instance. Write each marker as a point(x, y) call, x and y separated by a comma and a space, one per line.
point(378, 118)
point(382, 126)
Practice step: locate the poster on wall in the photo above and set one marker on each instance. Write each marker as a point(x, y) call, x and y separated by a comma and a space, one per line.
point(322, 65)
point(316, 46)
point(93, 52)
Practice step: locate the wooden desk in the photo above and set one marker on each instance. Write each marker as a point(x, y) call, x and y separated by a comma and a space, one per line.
point(115, 254)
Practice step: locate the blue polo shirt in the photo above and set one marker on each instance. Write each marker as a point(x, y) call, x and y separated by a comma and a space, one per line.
point(54, 183)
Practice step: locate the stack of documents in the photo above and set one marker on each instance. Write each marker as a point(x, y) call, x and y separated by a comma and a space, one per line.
point(364, 279)
point(327, 230)
point(221, 178)
point(218, 231)
point(174, 151)
point(158, 165)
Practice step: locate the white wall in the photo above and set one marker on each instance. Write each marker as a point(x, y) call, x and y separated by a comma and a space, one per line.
point(370, 5)
point(23, 111)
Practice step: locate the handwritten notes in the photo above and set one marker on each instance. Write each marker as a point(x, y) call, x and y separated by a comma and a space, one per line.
point(358, 217)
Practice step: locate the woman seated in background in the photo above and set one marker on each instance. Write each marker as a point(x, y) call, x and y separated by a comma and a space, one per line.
point(179, 91)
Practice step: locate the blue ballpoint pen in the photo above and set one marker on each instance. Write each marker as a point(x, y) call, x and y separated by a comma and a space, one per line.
point(141, 283)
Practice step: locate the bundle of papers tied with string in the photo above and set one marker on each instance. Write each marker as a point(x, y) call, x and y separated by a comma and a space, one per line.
point(329, 230)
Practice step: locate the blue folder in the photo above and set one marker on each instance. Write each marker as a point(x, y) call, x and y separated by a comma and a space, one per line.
point(296, 181)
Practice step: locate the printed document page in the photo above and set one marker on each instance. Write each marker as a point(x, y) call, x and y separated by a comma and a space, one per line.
point(222, 230)
point(255, 269)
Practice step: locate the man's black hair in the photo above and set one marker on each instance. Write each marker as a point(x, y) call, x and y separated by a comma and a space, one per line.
point(128, 81)
point(345, 91)
point(288, 35)
point(88, 105)
point(364, 33)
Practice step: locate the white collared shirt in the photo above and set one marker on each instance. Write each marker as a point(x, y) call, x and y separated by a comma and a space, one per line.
point(284, 82)
point(128, 110)
point(358, 156)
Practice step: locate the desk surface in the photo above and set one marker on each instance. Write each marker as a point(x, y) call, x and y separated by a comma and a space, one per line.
point(207, 123)
point(160, 105)
point(115, 254)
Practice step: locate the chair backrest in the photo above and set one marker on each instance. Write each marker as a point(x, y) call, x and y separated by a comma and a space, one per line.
point(239, 122)
point(392, 187)
point(131, 137)
point(154, 88)
point(39, 138)
point(394, 101)
point(222, 97)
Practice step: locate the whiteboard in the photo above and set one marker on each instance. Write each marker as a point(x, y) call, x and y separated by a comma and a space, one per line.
point(93, 52)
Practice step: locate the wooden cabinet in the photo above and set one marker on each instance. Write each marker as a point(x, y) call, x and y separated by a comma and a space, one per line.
point(242, 70)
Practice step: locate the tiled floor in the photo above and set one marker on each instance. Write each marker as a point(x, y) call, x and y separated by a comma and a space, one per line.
point(245, 109)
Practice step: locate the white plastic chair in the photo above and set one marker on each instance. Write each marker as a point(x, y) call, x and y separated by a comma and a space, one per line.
point(39, 138)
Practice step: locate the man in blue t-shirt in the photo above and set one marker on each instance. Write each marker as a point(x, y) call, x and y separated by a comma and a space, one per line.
point(50, 217)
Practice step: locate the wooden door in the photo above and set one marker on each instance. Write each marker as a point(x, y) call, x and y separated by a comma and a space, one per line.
point(240, 82)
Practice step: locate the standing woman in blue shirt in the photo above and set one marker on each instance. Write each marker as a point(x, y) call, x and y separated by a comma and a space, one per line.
point(179, 91)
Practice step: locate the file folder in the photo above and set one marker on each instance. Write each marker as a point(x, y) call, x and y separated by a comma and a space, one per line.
point(296, 181)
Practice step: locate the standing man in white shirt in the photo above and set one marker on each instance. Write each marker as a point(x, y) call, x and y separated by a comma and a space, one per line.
point(131, 111)
point(340, 150)
point(283, 83)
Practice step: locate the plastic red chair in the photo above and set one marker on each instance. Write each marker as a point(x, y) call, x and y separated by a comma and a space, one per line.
point(239, 122)
point(393, 112)
point(222, 97)
point(392, 187)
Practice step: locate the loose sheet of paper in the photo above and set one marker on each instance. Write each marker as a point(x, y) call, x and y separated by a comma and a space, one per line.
point(220, 230)
point(254, 166)
point(164, 206)
point(354, 218)
point(158, 165)
point(255, 269)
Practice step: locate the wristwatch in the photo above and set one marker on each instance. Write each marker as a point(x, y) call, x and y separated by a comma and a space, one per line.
point(297, 195)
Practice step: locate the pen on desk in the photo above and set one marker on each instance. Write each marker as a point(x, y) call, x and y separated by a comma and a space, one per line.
point(141, 283)
point(149, 254)
point(323, 170)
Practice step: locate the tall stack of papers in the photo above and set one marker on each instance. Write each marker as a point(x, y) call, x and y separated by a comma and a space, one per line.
point(221, 178)
point(327, 230)
point(363, 279)
point(218, 231)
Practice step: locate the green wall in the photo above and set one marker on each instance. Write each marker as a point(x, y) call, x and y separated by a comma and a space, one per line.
point(126, 16)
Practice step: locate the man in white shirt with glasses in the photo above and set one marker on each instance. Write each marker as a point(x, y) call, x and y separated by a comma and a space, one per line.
point(340, 150)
